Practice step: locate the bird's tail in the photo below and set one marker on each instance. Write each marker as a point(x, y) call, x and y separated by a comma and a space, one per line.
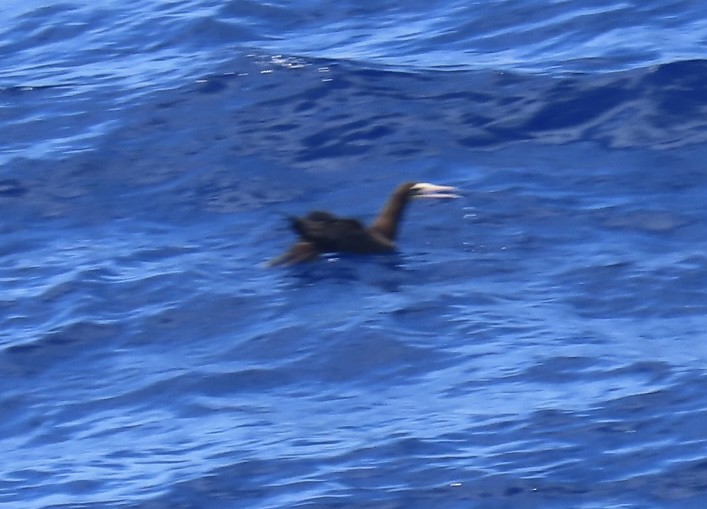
point(298, 253)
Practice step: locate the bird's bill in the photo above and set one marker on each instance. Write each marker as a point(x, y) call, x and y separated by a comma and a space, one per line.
point(425, 190)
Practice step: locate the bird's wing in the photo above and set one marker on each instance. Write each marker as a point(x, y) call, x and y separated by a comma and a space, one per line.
point(328, 232)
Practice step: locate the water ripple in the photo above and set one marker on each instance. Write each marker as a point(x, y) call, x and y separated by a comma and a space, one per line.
point(536, 343)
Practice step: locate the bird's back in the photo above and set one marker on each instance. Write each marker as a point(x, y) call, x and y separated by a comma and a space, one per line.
point(330, 233)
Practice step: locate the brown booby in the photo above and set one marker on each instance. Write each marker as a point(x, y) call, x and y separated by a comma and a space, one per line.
point(322, 232)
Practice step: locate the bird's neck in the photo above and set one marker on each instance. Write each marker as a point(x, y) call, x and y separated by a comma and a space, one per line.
point(392, 213)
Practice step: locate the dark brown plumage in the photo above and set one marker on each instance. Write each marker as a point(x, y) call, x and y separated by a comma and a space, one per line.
point(322, 232)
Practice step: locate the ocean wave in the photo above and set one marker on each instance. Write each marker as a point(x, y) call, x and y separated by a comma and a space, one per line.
point(536, 342)
point(533, 37)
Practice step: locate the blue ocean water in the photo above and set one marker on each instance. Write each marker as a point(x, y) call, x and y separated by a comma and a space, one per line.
point(538, 343)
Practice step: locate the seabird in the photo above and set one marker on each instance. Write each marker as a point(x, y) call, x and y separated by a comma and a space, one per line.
point(322, 232)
